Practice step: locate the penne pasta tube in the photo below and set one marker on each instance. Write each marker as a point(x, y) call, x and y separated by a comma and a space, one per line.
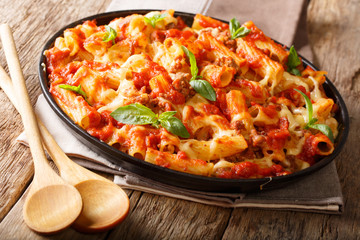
point(215, 148)
point(218, 76)
point(179, 162)
point(266, 44)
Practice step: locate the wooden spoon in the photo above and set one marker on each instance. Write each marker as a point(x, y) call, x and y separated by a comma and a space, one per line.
point(51, 204)
point(105, 204)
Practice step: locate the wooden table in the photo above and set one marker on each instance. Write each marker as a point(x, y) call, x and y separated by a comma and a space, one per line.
point(334, 34)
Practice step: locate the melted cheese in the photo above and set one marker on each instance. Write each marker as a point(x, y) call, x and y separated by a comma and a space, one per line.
point(146, 64)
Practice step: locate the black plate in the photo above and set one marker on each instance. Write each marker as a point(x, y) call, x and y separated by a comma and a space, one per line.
point(176, 178)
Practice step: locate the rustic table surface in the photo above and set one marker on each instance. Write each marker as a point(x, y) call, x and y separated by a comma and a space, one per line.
point(334, 35)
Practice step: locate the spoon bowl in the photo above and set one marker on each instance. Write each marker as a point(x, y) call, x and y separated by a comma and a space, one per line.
point(97, 217)
point(105, 204)
point(42, 211)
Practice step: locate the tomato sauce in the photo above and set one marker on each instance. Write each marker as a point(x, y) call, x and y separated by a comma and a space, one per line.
point(105, 128)
point(180, 23)
point(152, 69)
point(160, 160)
point(276, 135)
point(270, 110)
point(175, 33)
point(253, 61)
point(309, 150)
point(211, 109)
point(175, 97)
point(255, 35)
point(294, 96)
point(210, 22)
point(55, 58)
point(182, 155)
point(153, 140)
point(252, 170)
point(221, 103)
point(255, 89)
point(65, 74)
point(122, 28)
point(161, 35)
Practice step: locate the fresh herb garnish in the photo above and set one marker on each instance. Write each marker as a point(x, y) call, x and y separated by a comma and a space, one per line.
point(202, 87)
point(325, 129)
point(154, 19)
point(110, 34)
point(138, 114)
point(236, 30)
point(75, 89)
point(293, 62)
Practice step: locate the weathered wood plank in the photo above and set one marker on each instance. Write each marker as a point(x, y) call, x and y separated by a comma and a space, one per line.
point(32, 22)
point(334, 31)
point(159, 217)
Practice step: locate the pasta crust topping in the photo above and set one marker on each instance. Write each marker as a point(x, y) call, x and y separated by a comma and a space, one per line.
point(257, 126)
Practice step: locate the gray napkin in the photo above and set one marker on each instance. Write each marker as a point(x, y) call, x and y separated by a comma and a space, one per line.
point(319, 192)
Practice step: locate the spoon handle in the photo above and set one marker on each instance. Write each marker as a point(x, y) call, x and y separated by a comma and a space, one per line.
point(23, 100)
point(69, 170)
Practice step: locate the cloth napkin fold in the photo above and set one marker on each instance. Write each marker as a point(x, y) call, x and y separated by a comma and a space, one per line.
point(319, 192)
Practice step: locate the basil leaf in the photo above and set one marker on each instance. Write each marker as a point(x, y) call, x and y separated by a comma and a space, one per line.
point(175, 126)
point(154, 19)
point(204, 88)
point(295, 71)
point(110, 34)
point(236, 30)
point(325, 129)
point(308, 103)
point(233, 25)
point(75, 89)
point(167, 115)
point(193, 67)
point(136, 114)
point(293, 62)
point(311, 122)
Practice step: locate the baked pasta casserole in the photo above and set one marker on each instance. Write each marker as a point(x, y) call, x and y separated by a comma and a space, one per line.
point(214, 99)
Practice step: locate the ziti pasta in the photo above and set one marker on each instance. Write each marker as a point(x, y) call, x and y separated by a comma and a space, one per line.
point(214, 99)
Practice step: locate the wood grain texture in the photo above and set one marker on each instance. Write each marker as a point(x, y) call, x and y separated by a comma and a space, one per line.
point(158, 217)
point(334, 33)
